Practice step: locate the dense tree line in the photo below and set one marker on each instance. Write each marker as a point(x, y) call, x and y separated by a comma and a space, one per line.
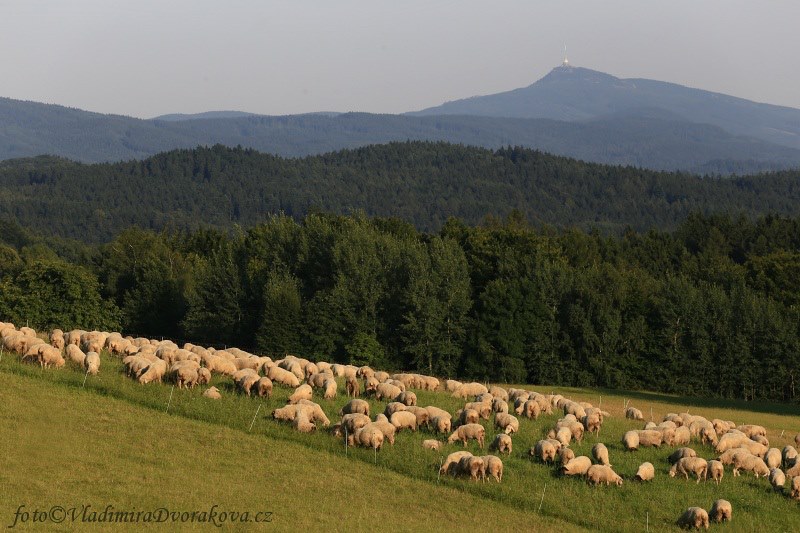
point(710, 308)
point(423, 183)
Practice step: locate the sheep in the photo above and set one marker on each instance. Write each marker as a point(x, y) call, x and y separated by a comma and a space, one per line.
point(598, 474)
point(544, 451)
point(633, 414)
point(696, 465)
point(57, 339)
point(574, 408)
point(630, 440)
point(472, 465)
point(450, 464)
point(508, 423)
point(432, 444)
point(493, 466)
point(92, 363)
point(441, 424)
point(682, 436)
point(530, 409)
point(777, 479)
point(498, 392)
point(600, 454)
point(650, 437)
point(680, 453)
point(434, 411)
point(592, 422)
point(484, 409)
point(330, 387)
point(499, 405)
point(263, 387)
point(392, 407)
point(577, 466)
point(386, 391)
point(246, 381)
point(283, 377)
point(760, 439)
point(564, 436)
point(369, 437)
point(451, 385)
point(502, 444)
point(721, 511)
point(729, 441)
point(646, 472)
point(466, 432)
point(153, 371)
point(316, 412)
point(693, 518)
point(354, 421)
point(795, 493)
point(650, 425)
point(421, 414)
point(213, 393)
point(750, 463)
point(773, 458)
point(382, 423)
point(726, 457)
point(75, 354)
point(467, 416)
point(485, 397)
point(355, 406)
point(467, 390)
point(404, 420)
point(751, 430)
point(317, 380)
point(565, 455)
point(789, 454)
point(716, 471)
point(352, 387)
point(49, 356)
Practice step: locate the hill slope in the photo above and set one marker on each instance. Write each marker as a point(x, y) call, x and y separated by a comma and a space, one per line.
point(423, 183)
point(648, 139)
point(573, 93)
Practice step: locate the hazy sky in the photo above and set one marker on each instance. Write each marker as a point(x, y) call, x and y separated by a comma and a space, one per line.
point(149, 57)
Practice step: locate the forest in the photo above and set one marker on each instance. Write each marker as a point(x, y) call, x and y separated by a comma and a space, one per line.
point(709, 308)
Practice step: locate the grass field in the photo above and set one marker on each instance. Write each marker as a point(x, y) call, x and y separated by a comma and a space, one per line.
point(111, 441)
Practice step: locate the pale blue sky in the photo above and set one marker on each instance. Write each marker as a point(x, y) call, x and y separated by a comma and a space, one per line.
point(148, 57)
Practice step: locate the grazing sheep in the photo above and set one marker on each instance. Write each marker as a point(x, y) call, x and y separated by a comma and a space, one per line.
point(75, 354)
point(544, 451)
point(434, 411)
point(450, 464)
point(283, 377)
point(355, 406)
point(404, 420)
point(577, 466)
point(382, 423)
point(502, 444)
point(493, 466)
point(749, 463)
point(650, 437)
point(682, 436)
point(680, 453)
point(451, 385)
point(721, 511)
point(392, 407)
point(330, 388)
point(154, 371)
point(773, 458)
point(421, 413)
point(695, 465)
point(407, 398)
point(630, 440)
point(467, 416)
point(441, 424)
point(484, 409)
point(632, 413)
point(789, 454)
point(473, 466)
point(531, 409)
point(498, 392)
point(646, 472)
point(432, 444)
point(49, 356)
point(352, 387)
point(751, 430)
point(213, 393)
point(508, 423)
point(693, 518)
point(795, 493)
point(600, 454)
point(92, 363)
point(467, 432)
point(777, 479)
point(368, 437)
point(716, 471)
point(57, 339)
point(598, 474)
point(726, 457)
point(565, 455)
point(499, 405)
point(246, 381)
point(564, 436)
point(731, 440)
point(467, 390)
point(592, 422)
point(303, 392)
point(353, 421)
point(263, 387)
point(316, 414)
point(386, 391)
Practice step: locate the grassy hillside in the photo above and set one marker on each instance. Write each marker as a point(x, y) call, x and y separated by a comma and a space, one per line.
point(114, 443)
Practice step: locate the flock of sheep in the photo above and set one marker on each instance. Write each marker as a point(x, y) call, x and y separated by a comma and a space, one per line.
point(745, 447)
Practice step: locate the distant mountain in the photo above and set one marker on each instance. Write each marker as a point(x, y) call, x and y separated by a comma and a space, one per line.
point(422, 183)
point(574, 94)
point(177, 117)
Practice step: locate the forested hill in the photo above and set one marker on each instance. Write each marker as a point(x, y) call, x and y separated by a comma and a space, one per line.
point(423, 183)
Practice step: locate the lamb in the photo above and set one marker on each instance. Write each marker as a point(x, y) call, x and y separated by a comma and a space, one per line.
point(773, 458)
point(92, 363)
point(633, 414)
point(646, 472)
point(508, 423)
point(693, 518)
point(263, 387)
point(680, 453)
point(75, 354)
point(795, 493)
point(598, 474)
point(352, 387)
point(355, 406)
point(777, 479)
point(432, 444)
point(467, 432)
point(600, 454)
point(577, 466)
point(213, 393)
point(502, 443)
point(441, 424)
point(696, 465)
point(450, 464)
point(493, 466)
point(749, 463)
point(545, 451)
point(630, 440)
point(721, 511)
point(472, 465)
point(404, 420)
point(716, 471)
